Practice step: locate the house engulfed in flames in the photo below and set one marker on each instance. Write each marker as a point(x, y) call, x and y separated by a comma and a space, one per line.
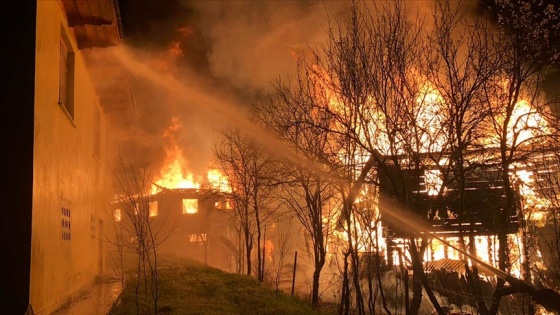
point(441, 216)
point(483, 198)
point(191, 222)
point(435, 206)
point(438, 210)
point(190, 214)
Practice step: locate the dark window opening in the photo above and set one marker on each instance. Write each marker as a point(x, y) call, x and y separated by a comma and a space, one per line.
point(66, 77)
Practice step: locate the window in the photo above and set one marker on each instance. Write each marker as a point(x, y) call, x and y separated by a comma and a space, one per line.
point(66, 76)
point(153, 208)
point(190, 206)
point(117, 215)
point(223, 204)
point(197, 238)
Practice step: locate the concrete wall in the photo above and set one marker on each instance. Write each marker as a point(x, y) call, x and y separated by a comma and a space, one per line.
point(67, 174)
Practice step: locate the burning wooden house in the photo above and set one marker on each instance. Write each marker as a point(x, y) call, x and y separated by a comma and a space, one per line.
point(439, 210)
point(189, 221)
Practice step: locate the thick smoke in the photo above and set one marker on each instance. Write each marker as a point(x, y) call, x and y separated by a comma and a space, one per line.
point(230, 49)
point(252, 42)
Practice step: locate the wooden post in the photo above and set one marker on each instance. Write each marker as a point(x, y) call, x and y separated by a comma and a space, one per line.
point(294, 275)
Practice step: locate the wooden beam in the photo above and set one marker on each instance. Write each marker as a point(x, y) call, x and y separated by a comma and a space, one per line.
point(75, 20)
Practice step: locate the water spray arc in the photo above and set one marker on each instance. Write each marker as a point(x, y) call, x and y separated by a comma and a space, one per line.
point(209, 103)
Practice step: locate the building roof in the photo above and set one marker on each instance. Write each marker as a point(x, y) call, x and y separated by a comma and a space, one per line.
point(96, 23)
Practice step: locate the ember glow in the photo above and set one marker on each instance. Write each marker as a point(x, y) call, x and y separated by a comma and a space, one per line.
point(433, 181)
point(525, 125)
point(526, 122)
point(429, 119)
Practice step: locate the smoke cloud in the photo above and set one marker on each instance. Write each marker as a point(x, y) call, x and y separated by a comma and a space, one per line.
point(229, 49)
point(252, 42)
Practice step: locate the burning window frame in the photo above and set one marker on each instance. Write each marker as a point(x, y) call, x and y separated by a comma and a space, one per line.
point(187, 205)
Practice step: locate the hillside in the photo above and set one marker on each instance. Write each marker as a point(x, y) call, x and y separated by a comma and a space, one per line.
point(193, 288)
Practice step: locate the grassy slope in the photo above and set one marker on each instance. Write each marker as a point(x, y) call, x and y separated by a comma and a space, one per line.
point(196, 289)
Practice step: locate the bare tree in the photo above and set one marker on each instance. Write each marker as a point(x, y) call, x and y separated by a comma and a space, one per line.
point(363, 86)
point(546, 220)
point(514, 97)
point(461, 60)
point(529, 50)
point(282, 241)
point(303, 191)
point(247, 167)
point(388, 102)
point(383, 118)
point(308, 196)
point(137, 229)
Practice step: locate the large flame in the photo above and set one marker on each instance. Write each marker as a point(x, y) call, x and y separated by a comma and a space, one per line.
point(429, 127)
point(218, 181)
point(174, 173)
point(428, 134)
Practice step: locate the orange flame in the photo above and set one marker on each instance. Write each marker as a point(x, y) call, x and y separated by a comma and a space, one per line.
point(173, 174)
point(218, 181)
point(525, 124)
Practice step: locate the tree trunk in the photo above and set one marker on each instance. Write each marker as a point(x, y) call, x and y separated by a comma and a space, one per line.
point(248, 249)
point(416, 293)
point(319, 261)
point(345, 294)
point(315, 288)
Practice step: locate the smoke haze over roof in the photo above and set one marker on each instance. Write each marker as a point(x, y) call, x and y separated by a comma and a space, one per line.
point(229, 48)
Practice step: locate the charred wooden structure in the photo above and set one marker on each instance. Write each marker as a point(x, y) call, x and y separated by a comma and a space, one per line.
point(435, 203)
point(483, 198)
